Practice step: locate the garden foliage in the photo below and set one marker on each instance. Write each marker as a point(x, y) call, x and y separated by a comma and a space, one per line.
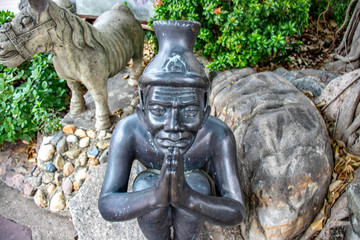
point(240, 33)
point(31, 95)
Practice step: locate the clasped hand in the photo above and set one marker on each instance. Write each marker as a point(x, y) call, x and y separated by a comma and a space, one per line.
point(171, 187)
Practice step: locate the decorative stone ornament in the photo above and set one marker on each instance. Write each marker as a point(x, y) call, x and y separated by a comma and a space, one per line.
point(83, 53)
point(190, 157)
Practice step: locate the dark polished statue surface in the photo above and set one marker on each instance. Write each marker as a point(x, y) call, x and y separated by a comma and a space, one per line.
point(191, 171)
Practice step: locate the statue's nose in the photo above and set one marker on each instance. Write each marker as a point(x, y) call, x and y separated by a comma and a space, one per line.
point(173, 123)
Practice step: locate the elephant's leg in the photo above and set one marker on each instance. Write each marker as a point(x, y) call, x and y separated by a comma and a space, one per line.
point(77, 103)
point(102, 112)
point(137, 65)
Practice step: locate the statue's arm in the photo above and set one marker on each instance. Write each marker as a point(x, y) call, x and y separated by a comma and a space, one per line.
point(228, 207)
point(115, 203)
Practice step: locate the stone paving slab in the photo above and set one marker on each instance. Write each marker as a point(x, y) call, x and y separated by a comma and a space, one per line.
point(44, 224)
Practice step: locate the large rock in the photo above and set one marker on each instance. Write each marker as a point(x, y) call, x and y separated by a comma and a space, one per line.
point(90, 225)
point(342, 98)
point(284, 153)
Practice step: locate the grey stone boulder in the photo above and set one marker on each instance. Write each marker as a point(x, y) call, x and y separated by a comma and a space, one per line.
point(90, 225)
point(311, 80)
point(285, 159)
point(342, 98)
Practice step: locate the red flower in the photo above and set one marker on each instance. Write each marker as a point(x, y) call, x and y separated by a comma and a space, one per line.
point(157, 3)
point(217, 11)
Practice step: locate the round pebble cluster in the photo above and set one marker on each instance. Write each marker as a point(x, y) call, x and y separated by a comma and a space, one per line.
point(62, 164)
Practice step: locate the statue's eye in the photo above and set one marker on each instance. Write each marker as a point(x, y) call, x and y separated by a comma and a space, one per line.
point(190, 111)
point(25, 21)
point(157, 110)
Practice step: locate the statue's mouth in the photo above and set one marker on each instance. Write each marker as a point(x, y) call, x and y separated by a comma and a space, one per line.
point(8, 55)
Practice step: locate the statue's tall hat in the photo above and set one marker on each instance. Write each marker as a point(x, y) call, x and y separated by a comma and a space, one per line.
point(175, 64)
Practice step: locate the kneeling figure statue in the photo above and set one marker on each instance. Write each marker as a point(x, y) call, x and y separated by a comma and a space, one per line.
point(191, 171)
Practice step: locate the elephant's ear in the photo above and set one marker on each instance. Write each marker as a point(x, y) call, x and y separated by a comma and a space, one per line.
point(38, 5)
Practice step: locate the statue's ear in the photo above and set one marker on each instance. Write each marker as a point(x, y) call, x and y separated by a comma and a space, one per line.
point(38, 5)
point(140, 112)
point(206, 115)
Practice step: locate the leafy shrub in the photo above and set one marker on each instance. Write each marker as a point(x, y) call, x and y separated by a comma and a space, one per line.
point(31, 96)
point(240, 33)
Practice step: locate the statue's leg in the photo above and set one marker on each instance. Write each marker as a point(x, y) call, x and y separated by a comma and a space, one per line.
point(186, 224)
point(77, 103)
point(102, 112)
point(156, 224)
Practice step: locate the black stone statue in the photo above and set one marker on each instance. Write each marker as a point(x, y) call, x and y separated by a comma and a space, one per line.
point(191, 171)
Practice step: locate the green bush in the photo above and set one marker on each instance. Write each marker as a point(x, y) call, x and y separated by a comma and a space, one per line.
point(31, 96)
point(240, 33)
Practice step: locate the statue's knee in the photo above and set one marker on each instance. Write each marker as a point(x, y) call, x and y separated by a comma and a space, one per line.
point(199, 182)
point(145, 180)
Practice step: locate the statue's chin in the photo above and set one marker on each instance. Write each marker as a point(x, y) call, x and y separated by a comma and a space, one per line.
point(12, 59)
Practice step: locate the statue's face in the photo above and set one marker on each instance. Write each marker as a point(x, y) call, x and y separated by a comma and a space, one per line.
point(174, 116)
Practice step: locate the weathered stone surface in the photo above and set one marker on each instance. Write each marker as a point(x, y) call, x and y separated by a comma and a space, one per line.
point(46, 153)
point(93, 152)
point(353, 196)
point(342, 98)
point(15, 181)
point(104, 157)
point(90, 225)
point(50, 167)
point(72, 139)
point(284, 153)
point(29, 189)
point(308, 80)
point(91, 134)
point(51, 189)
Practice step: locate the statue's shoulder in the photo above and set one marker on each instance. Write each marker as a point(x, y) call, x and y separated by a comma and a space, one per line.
point(129, 126)
point(217, 129)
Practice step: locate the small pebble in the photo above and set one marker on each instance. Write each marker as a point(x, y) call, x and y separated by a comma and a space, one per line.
point(69, 129)
point(84, 142)
point(73, 153)
point(51, 189)
point(57, 202)
point(67, 186)
point(76, 186)
point(93, 162)
point(81, 175)
point(46, 140)
point(46, 153)
point(61, 146)
point(103, 145)
point(80, 133)
point(59, 162)
point(38, 181)
point(93, 152)
point(29, 189)
point(58, 177)
point(54, 141)
point(68, 168)
point(91, 134)
point(50, 167)
point(102, 134)
point(47, 177)
point(40, 198)
point(72, 139)
point(82, 159)
point(104, 156)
